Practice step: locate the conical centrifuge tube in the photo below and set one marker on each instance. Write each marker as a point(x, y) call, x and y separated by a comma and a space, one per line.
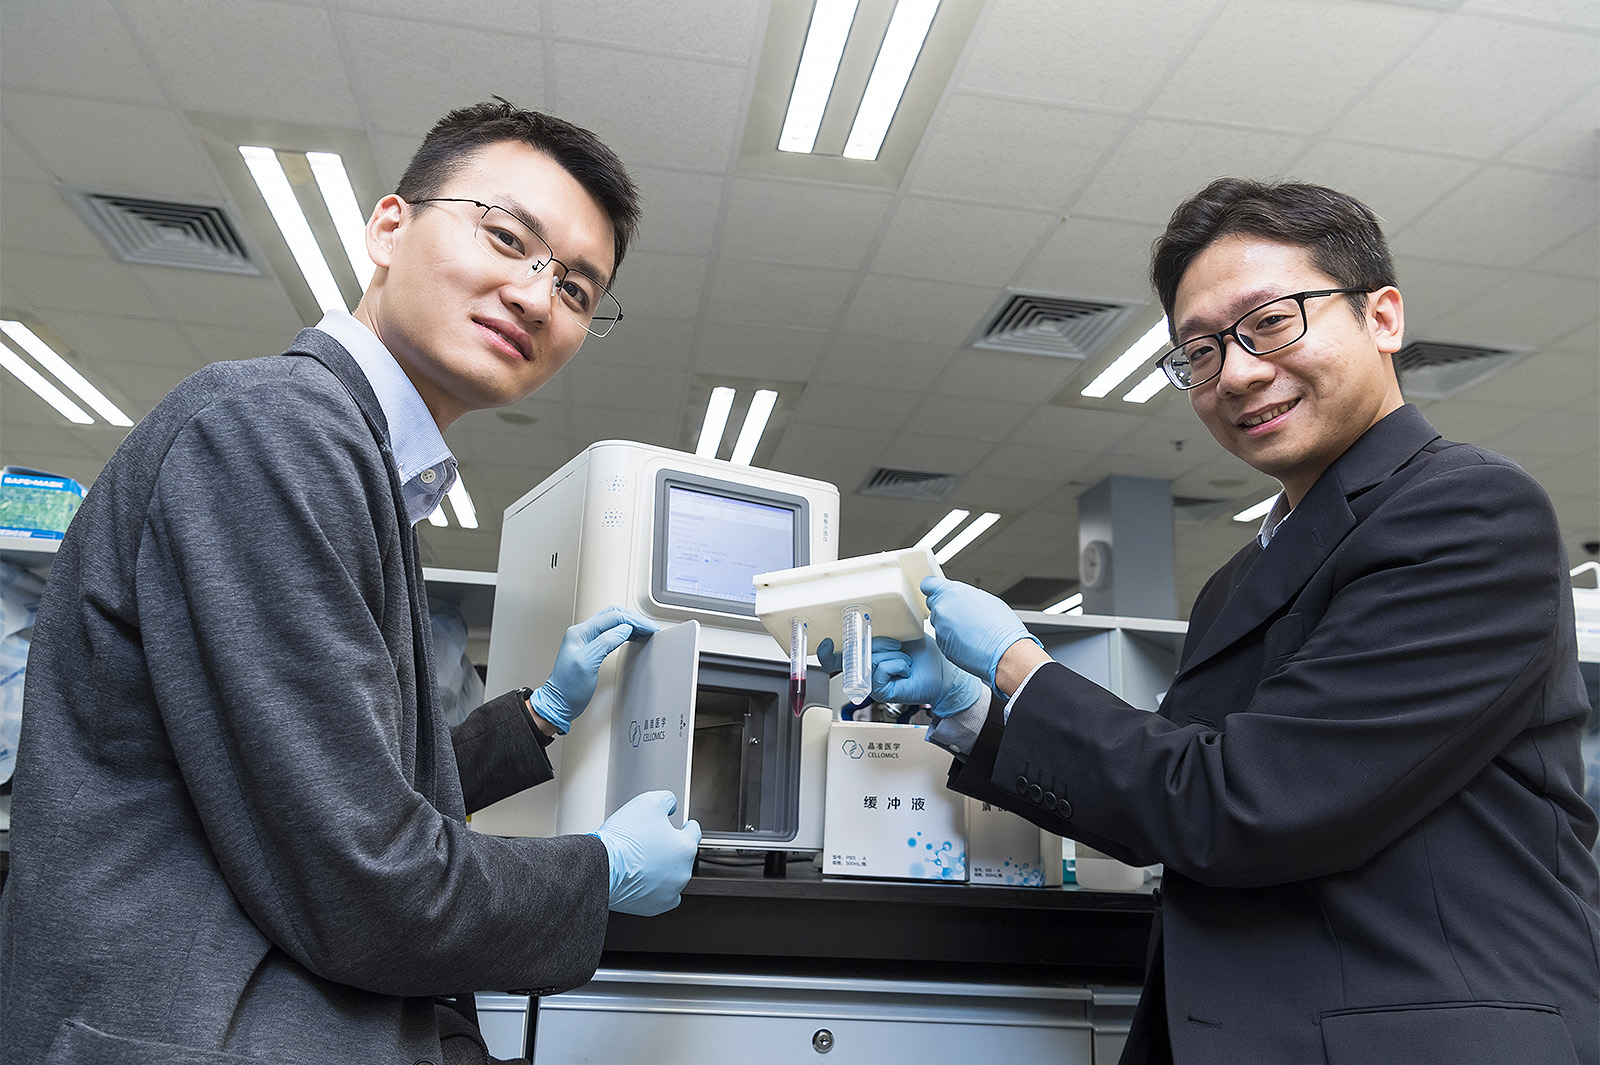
point(797, 665)
point(857, 678)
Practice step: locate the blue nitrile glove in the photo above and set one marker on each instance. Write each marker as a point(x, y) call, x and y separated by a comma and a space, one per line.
point(650, 860)
point(974, 628)
point(564, 696)
point(912, 672)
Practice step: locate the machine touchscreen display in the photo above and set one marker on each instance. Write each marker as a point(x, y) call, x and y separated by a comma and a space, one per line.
point(715, 544)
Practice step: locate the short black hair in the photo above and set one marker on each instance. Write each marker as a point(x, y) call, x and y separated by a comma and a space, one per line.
point(1342, 235)
point(579, 152)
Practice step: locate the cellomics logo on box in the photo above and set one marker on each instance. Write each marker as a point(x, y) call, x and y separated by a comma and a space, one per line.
point(853, 749)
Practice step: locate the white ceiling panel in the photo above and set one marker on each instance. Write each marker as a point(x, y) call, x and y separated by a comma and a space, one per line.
point(287, 67)
point(1569, 142)
point(925, 312)
point(35, 36)
point(1398, 185)
point(915, 449)
point(17, 161)
point(1430, 290)
point(406, 67)
point(778, 220)
point(718, 28)
point(1111, 55)
point(513, 16)
point(1052, 465)
point(974, 151)
point(1581, 13)
point(57, 282)
point(838, 405)
point(123, 149)
point(207, 298)
point(979, 419)
point(1162, 162)
point(1005, 375)
point(1095, 257)
point(657, 284)
point(1249, 49)
point(1528, 310)
point(749, 293)
point(1534, 71)
point(37, 218)
point(759, 352)
point(940, 240)
point(638, 340)
point(629, 388)
point(870, 363)
point(1578, 257)
point(1076, 429)
point(1503, 216)
point(652, 110)
point(679, 210)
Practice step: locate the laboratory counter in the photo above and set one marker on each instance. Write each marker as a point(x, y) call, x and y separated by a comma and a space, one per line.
point(737, 912)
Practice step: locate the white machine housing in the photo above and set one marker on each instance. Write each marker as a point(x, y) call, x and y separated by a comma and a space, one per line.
point(592, 535)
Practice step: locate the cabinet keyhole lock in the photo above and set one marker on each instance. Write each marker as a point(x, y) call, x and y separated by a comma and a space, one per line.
point(822, 1041)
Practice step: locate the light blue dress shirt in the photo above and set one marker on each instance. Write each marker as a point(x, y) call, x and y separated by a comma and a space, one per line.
point(427, 469)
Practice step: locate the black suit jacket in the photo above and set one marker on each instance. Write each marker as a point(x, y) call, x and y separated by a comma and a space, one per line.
point(1364, 781)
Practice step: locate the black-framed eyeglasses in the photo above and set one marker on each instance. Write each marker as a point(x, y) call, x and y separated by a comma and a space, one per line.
point(514, 244)
point(1270, 327)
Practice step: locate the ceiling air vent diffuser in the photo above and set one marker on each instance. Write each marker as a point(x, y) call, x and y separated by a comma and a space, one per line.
point(908, 484)
point(1038, 324)
point(164, 233)
point(1432, 370)
point(1031, 593)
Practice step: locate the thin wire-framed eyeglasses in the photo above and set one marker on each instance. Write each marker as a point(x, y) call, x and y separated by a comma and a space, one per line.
point(1262, 330)
point(514, 244)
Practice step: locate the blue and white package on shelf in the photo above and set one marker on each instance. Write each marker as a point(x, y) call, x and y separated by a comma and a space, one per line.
point(36, 504)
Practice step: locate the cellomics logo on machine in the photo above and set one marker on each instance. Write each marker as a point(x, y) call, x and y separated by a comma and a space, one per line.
point(853, 749)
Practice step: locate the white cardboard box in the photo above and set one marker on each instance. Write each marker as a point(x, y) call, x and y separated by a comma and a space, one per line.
point(1002, 848)
point(888, 812)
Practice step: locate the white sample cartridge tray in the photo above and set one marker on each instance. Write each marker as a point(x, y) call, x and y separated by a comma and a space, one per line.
point(887, 585)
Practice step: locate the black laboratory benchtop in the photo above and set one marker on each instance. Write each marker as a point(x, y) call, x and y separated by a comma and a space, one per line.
point(737, 914)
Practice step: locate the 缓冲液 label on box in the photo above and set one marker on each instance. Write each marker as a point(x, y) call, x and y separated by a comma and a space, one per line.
point(888, 813)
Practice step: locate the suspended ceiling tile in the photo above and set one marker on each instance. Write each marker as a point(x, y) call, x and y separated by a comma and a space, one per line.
point(980, 374)
point(1579, 257)
point(653, 284)
point(1503, 216)
point(510, 16)
point(1076, 429)
point(208, 298)
point(37, 218)
point(1098, 258)
point(934, 453)
point(836, 405)
point(659, 343)
point(218, 343)
point(409, 73)
point(724, 29)
point(392, 152)
point(113, 147)
point(1558, 435)
point(974, 150)
point(1580, 13)
point(48, 281)
point(1109, 55)
point(265, 59)
point(773, 294)
point(658, 427)
point(1477, 420)
point(758, 352)
point(1528, 310)
point(1432, 289)
point(17, 161)
point(1139, 181)
point(1419, 104)
point(1543, 380)
point(1245, 70)
point(841, 456)
point(651, 110)
point(870, 363)
point(678, 210)
point(1569, 142)
point(73, 46)
point(943, 241)
point(918, 311)
point(629, 388)
point(1033, 463)
point(804, 224)
point(1398, 185)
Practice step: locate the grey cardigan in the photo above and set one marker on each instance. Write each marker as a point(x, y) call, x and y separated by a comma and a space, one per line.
point(238, 820)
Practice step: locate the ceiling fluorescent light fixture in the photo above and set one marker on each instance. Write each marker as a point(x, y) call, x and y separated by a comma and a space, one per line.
point(274, 185)
point(1071, 604)
point(961, 539)
point(755, 423)
point(29, 341)
point(340, 197)
point(944, 527)
point(1154, 382)
point(42, 388)
point(716, 420)
point(813, 83)
point(908, 29)
point(1128, 362)
point(461, 503)
point(1257, 512)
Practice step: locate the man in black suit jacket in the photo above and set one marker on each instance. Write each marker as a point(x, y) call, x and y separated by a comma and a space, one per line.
point(1364, 781)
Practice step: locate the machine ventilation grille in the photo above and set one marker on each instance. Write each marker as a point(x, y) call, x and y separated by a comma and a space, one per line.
point(1032, 593)
point(1433, 370)
point(909, 484)
point(1038, 324)
point(163, 233)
